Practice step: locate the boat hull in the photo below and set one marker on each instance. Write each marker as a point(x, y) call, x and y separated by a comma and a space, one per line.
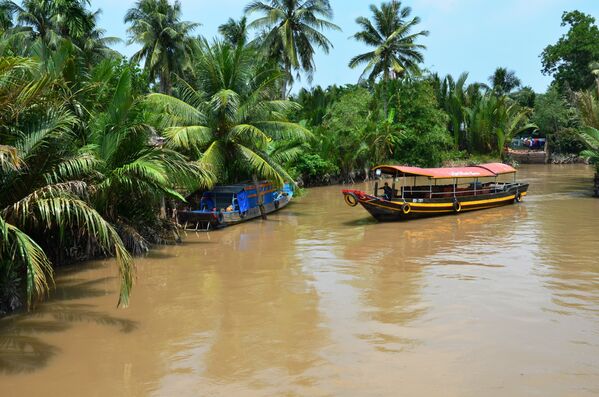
point(399, 209)
point(208, 220)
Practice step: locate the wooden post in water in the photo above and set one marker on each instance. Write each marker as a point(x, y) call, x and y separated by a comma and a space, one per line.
point(260, 198)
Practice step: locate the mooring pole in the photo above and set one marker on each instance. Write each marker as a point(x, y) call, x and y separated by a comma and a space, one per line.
point(260, 198)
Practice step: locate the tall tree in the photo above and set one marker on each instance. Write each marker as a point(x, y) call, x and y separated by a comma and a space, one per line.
point(166, 43)
point(568, 60)
point(504, 81)
point(49, 23)
point(293, 29)
point(228, 120)
point(396, 51)
point(52, 19)
point(235, 32)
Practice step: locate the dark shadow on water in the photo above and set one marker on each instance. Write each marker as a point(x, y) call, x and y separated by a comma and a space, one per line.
point(155, 254)
point(82, 266)
point(23, 354)
point(77, 289)
point(22, 345)
point(360, 222)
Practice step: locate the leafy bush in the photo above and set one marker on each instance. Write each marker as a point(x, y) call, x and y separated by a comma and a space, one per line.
point(314, 170)
point(566, 141)
point(428, 148)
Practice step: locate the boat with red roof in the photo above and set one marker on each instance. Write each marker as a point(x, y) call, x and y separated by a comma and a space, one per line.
point(412, 192)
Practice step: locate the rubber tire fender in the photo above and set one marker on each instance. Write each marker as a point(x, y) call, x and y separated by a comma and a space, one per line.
point(518, 197)
point(350, 199)
point(276, 204)
point(406, 208)
point(457, 206)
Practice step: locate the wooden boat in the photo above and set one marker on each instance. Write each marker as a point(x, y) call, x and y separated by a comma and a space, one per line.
point(232, 204)
point(438, 191)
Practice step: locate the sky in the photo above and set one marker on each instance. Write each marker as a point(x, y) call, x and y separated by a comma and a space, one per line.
point(474, 36)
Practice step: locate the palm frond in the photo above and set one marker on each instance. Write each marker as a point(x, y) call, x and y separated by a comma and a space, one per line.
point(17, 246)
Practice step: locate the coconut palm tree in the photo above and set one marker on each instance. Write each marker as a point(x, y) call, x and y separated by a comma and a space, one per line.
point(45, 202)
point(166, 43)
point(293, 30)
point(395, 50)
point(36, 16)
point(235, 32)
point(504, 81)
point(127, 167)
point(51, 20)
point(227, 118)
point(50, 23)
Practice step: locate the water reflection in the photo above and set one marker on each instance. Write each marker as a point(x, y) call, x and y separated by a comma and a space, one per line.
point(23, 348)
point(569, 249)
point(261, 310)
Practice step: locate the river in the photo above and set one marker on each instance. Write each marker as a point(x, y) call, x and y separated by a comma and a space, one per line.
point(320, 300)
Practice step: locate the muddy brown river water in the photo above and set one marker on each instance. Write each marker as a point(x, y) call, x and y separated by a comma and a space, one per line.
point(320, 300)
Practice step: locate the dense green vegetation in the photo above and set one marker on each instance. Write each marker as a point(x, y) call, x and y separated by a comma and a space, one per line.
point(95, 148)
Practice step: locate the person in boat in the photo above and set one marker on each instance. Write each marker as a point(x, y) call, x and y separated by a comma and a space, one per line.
point(387, 191)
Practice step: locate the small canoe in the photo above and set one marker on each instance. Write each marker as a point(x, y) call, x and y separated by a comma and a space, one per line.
point(228, 205)
point(413, 192)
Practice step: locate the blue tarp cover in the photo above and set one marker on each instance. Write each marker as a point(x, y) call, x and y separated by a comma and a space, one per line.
point(242, 200)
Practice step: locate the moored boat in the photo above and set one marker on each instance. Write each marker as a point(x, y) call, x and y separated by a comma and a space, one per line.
point(414, 192)
point(228, 205)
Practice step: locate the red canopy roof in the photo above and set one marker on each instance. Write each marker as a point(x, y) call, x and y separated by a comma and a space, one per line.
point(476, 171)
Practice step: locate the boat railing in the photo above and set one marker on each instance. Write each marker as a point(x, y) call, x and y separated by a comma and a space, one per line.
point(428, 193)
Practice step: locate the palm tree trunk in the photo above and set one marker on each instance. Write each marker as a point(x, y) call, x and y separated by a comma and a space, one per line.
point(385, 99)
point(285, 81)
point(165, 83)
point(456, 132)
point(260, 196)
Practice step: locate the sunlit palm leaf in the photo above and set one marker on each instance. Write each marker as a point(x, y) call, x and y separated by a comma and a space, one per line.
point(188, 137)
